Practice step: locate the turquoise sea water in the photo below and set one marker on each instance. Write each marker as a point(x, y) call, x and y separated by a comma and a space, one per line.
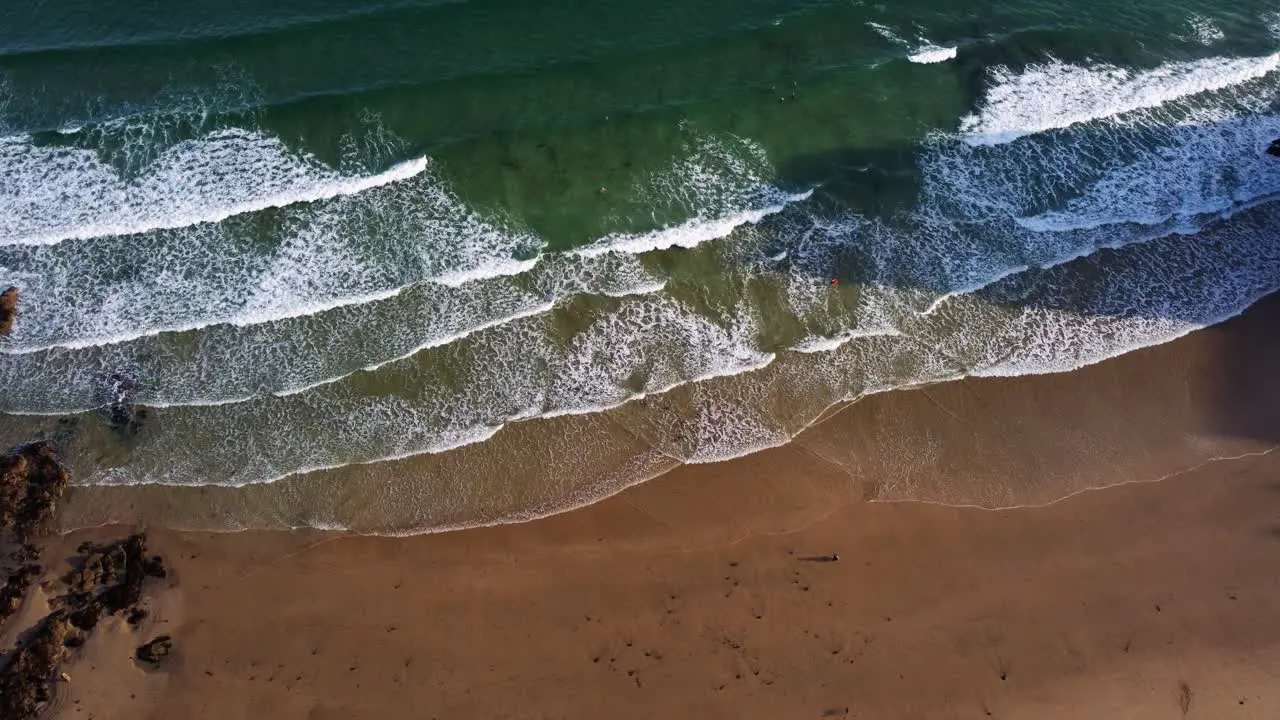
point(409, 265)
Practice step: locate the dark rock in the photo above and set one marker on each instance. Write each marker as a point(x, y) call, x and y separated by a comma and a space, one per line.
point(8, 309)
point(109, 579)
point(87, 616)
point(122, 413)
point(155, 567)
point(1274, 148)
point(156, 651)
point(25, 681)
point(105, 579)
point(15, 587)
point(26, 553)
point(31, 483)
point(128, 591)
point(99, 568)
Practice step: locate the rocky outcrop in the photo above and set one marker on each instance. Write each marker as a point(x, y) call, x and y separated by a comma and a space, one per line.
point(31, 483)
point(122, 413)
point(108, 579)
point(1274, 148)
point(25, 684)
point(15, 588)
point(156, 651)
point(104, 579)
point(8, 309)
point(99, 568)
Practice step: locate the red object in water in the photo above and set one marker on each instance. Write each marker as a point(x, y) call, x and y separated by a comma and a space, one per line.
point(834, 281)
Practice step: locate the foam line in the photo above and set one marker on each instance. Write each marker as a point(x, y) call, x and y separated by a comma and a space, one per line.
point(434, 342)
point(927, 54)
point(688, 234)
point(56, 194)
point(1056, 95)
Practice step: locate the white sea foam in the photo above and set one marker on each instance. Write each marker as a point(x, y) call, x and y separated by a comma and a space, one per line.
point(240, 320)
point(495, 269)
point(412, 268)
point(991, 211)
point(123, 477)
point(887, 33)
point(287, 357)
point(688, 234)
point(1200, 168)
point(432, 343)
point(1057, 95)
point(759, 362)
point(1219, 273)
point(815, 344)
point(324, 255)
point(643, 288)
point(1203, 30)
point(960, 262)
point(524, 375)
point(342, 251)
point(733, 429)
point(1228, 268)
point(1045, 321)
point(52, 194)
point(720, 185)
point(932, 54)
point(923, 51)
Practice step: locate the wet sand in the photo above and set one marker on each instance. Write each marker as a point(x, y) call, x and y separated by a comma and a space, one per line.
point(769, 587)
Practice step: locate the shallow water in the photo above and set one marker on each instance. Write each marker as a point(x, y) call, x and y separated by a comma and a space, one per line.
point(415, 265)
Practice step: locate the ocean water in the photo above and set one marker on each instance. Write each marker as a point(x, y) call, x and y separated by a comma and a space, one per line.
point(412, 265)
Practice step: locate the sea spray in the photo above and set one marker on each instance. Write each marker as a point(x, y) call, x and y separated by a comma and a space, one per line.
point(1057, 95)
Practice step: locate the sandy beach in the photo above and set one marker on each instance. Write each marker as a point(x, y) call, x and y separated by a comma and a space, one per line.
point(770, 587)
point(657, 360)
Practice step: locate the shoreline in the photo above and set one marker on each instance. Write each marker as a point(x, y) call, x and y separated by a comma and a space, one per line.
point(1203, 347)
point(709, 361)
point(795, 582)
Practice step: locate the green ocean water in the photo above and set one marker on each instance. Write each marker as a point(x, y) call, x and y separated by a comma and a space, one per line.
point(415, 265)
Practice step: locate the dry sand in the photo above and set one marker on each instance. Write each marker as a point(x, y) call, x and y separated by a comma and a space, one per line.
point(702, 594)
